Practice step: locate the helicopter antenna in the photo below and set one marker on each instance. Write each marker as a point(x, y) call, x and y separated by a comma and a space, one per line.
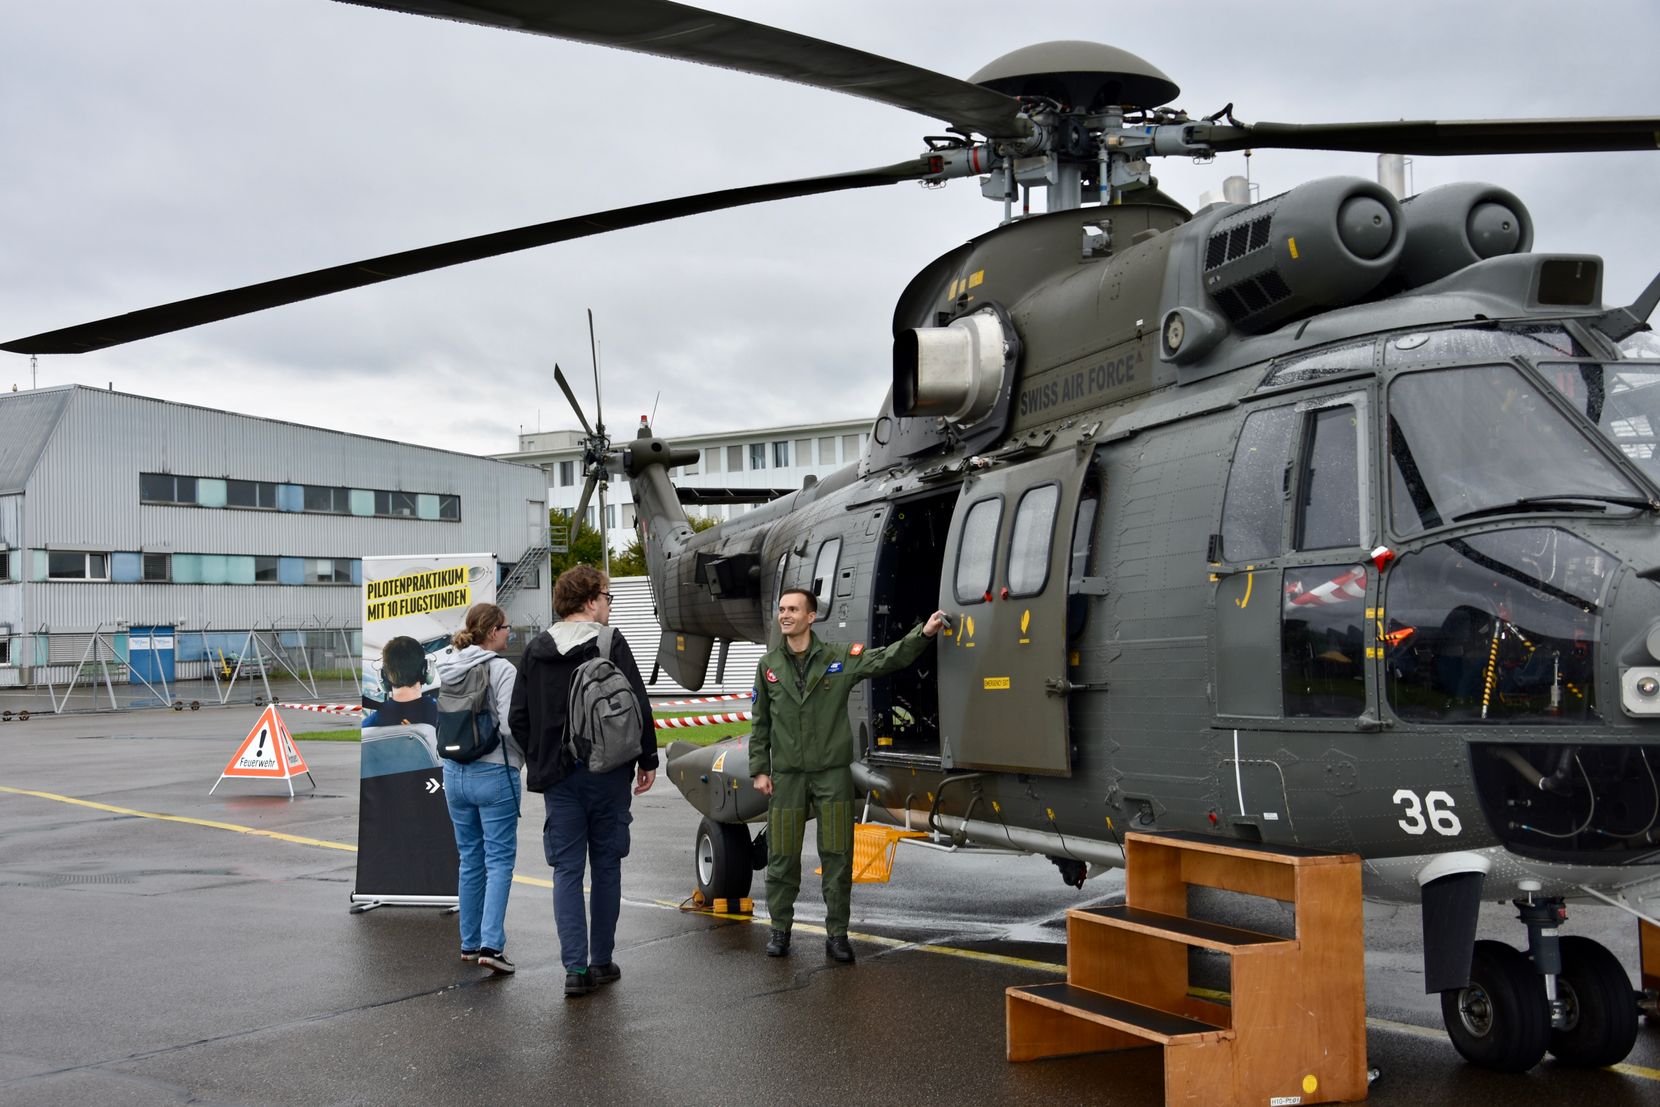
point(654, 401)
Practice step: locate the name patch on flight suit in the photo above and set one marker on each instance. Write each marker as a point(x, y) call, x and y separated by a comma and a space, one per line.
point(856, 649)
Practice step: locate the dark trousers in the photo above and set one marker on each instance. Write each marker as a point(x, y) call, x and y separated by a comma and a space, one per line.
point(587, 824)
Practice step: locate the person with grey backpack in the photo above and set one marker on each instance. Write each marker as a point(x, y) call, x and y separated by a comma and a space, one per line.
point(581, 710)
point(482, 758)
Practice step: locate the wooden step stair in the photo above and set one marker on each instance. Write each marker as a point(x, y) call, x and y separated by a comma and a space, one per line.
point(1295, 1029)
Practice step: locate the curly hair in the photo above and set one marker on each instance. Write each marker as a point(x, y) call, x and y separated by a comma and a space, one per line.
point(576, 588)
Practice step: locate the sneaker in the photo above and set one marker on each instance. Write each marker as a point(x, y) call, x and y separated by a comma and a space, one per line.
point(837, 948)
point(601, 975)
point(778, 943)
point(579, 983)
point(469, 955)
point(496, 961)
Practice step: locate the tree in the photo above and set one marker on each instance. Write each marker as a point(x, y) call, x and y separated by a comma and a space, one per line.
point(632, 561)
point(585, 545)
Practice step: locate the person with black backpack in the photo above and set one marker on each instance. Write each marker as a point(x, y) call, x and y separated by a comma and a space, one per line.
point(581, 710)
point(482, 759)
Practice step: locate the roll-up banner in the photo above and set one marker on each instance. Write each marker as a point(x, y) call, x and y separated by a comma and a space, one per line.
point(411, 608)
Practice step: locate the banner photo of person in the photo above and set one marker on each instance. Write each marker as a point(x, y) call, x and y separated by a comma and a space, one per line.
point(411, 607)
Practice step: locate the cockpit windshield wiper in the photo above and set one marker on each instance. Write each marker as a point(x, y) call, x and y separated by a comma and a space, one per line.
point(1565, 501)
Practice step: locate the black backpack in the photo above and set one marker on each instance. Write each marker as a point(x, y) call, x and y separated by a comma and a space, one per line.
point(466, 728)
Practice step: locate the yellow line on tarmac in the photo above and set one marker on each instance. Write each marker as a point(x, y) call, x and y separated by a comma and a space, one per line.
point(278, 835)
point(1640, 1071)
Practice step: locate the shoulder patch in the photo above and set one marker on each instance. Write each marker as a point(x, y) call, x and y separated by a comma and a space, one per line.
point(772, 677)
point(754, 694)
point(835, 667)
point(856, 649)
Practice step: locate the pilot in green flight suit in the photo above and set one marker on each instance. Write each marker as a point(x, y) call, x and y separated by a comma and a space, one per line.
point(799, 753)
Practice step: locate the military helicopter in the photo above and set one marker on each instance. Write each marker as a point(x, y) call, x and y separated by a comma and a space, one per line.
point(1327, 520)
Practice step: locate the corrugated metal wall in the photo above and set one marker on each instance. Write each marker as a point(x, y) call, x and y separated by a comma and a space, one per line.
point(632, 614)
point(84, 494)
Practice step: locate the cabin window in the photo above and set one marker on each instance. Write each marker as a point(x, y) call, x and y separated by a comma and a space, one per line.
point(1329, 514)
point(1331, 362)
point(1622, 398)
point(976, 550)
point(1480, 441)
point(1322, 640)
point(1480, 343)
point(1496, 628)
point(824, 572)
point(1030, 538)
point(1253, 514)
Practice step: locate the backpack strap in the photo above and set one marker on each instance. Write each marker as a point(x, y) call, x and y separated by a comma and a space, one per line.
point(605, 633)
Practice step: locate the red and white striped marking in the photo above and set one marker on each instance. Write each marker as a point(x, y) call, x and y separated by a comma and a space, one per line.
point(704, 699)
point(705, 720)
point(1344, 589)
point(326, 708)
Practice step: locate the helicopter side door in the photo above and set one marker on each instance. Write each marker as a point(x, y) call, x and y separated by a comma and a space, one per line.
point(1004, 583)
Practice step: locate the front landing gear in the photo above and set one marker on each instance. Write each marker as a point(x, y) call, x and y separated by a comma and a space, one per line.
point(721, 858)
point(1568, 995)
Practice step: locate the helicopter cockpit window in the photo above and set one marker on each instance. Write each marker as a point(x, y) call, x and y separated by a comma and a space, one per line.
point(1643, 344)
point(1033, 533)
point(976, 550)
point(1621, 397)
point(1498, 627)
point(1481, 343)
point(1328, 515)
point(1479, 441)
point(824, 572)
point(1333, 362)
point(1253, 514)
point(1322, 641)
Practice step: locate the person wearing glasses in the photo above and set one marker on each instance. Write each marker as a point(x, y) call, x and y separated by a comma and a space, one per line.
point(587, 813)
point(483, 795)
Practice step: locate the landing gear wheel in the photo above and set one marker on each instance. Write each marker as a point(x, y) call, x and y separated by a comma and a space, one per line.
point(1601, 1006)
point(721, 860)
point(1500, 1020)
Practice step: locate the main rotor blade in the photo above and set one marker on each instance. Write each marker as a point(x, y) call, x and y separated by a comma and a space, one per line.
point(671, 30)
point(1435, 137)
point(565, 387)
point(582, 505)
point(179, 315)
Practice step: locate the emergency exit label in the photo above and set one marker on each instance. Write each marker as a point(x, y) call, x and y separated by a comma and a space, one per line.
point(994, 684)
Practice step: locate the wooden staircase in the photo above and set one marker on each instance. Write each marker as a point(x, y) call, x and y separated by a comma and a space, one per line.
point(1295, 1030)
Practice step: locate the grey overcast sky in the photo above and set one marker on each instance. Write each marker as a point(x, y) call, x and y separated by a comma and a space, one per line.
point(159, 150)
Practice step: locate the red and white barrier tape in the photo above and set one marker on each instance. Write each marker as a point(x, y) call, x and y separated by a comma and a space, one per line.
point(705, 720)
point(705, 699)
point(326, 708)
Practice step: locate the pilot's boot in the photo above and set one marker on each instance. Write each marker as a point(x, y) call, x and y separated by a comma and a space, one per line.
point(778, 943)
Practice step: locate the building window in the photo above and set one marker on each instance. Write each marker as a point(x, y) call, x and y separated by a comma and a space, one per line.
point(610, 516)
point(803, 451)
point(567, 473)
point(780, 455)
point(158, 567)
point(399, 505)
point(711, 460)
point(827, 451)
point(5, 566)
point(322, 498)
point(251, 493)
point(265, 569)
point(850, 448)
point(449, 507)
point(165, 488)
point(734, 459)
point(531, 579)
point(690, 469)
point(75, 565)
point(326, 570)
point(757, 455)
point(5, 645)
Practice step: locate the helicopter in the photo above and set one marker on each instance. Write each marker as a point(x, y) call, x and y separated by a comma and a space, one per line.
point(1325, 520)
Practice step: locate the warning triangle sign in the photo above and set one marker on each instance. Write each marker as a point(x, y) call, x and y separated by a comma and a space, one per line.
point(267, 752)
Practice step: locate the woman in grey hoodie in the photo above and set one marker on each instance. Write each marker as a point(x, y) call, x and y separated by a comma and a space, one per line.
point(483, 795)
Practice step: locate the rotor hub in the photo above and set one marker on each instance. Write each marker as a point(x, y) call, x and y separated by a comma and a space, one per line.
point(1080, 75)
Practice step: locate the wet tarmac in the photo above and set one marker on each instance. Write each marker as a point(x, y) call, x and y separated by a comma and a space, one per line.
point(161, 946)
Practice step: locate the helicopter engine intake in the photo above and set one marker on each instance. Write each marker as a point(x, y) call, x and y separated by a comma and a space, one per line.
point(1457, 225)
point(1323, 244)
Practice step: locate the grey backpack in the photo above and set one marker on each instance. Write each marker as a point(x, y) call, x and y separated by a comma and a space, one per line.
point(466, 729)
point(602, 715)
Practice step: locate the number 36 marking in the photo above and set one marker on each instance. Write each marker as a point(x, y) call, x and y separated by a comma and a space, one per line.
point(1437, 805)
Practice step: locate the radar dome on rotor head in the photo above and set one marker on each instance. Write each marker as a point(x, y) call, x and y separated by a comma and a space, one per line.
point(1087, 75)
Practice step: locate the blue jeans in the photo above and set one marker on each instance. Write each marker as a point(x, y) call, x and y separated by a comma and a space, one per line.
point(587, 821)
point(484, 806)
